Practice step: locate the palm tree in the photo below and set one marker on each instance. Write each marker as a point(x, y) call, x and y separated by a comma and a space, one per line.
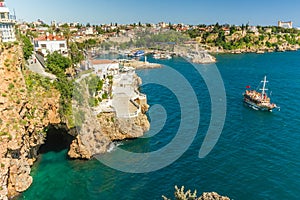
point(67, 34)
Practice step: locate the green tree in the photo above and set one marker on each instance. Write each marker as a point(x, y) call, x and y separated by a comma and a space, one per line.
point(79, 26)
point(243, 27)
point(99, 30)
point(90, 43)
point(261, 37)
point(232, 29)
point(268, 44)
point(94, 84)
point(67, 34)
point(65, 25)
point(221, 39)
point(76, 54)
point(57, 64)
point(216, 28)
point(247, 39)
point(27, 47)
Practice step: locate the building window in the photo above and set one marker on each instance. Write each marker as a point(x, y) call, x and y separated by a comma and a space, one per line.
point(61, 45)
point(2, 16)
point(43, 45)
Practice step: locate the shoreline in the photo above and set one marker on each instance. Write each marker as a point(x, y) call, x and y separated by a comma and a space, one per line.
point(257, 51)
point(242, 53)
point(208, 58)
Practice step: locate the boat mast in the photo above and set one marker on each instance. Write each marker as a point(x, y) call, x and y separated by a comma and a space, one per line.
point(263, 90)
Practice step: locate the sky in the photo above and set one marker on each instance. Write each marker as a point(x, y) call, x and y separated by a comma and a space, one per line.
point(254, 12)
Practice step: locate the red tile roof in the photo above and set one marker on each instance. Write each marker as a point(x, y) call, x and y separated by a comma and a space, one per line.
point(98, 62)
point(51, 38)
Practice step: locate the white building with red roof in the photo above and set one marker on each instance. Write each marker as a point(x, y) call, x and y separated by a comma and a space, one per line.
point(51, 43)
point(104, 68)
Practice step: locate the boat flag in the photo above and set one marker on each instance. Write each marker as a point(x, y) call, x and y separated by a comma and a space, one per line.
point(248, 86)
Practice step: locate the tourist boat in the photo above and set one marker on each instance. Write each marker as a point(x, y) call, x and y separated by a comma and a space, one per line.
point(259, 100)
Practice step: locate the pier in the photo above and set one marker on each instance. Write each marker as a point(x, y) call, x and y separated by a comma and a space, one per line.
point(139, 64)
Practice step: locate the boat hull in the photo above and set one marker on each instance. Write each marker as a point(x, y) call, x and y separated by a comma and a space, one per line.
point(257, 107)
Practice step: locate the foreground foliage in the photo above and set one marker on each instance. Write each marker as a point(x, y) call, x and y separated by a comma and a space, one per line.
point(57, 64)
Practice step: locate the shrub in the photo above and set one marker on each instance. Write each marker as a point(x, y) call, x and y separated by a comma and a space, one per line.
point(93, 102)
point(3, 133)
point(79, 118)
point(11, 86)
point(105, 96)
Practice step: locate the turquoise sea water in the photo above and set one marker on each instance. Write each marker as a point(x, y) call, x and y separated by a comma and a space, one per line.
point(256, 157)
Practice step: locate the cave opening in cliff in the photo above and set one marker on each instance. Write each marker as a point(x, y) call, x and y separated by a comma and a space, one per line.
point(57, 139)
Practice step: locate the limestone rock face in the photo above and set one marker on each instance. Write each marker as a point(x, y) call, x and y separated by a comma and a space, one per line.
point(122, 128)
point(19, 177)
point(89, 141)
point(96, 136)
point(24, 113)
point(5, 163)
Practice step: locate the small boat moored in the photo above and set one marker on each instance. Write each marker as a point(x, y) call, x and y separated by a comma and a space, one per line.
point(139, 53)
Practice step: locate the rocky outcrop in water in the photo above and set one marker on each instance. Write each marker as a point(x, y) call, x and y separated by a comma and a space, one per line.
point(212, 196)
point(97, 132)
point(96, 135)
point(180, 194)
point(24, 114)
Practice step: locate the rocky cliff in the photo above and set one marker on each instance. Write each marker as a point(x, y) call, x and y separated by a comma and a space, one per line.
point(29, 104)
point(25, 112)
point(96, 135)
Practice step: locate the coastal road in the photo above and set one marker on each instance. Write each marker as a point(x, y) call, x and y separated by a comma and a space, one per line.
point(35, 66)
